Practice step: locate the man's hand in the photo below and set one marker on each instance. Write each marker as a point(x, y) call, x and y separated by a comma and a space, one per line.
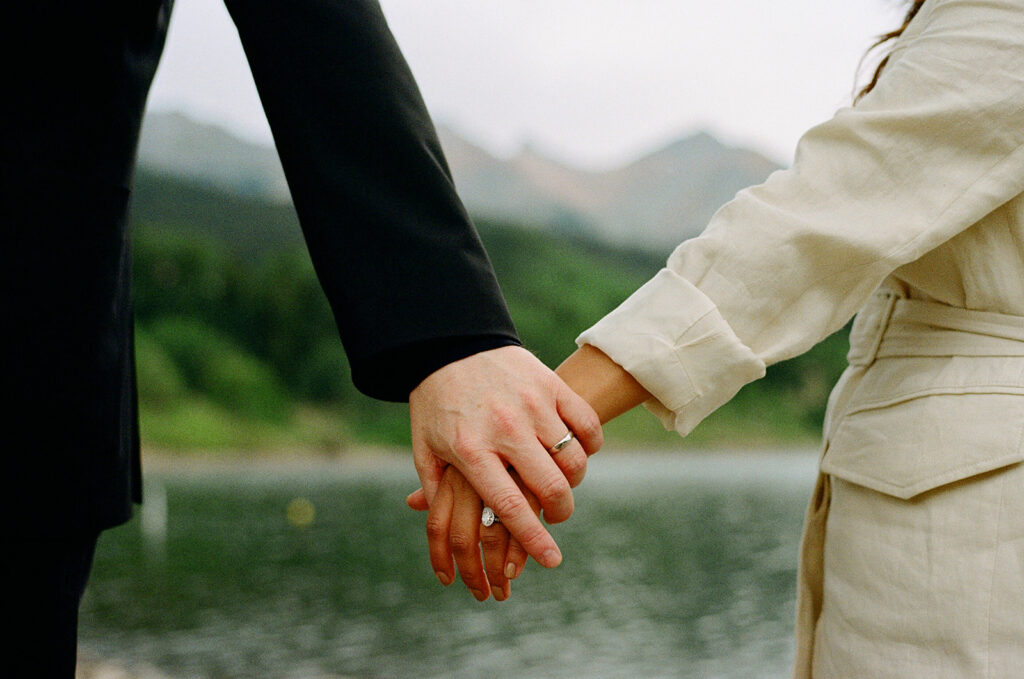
point(497, 409)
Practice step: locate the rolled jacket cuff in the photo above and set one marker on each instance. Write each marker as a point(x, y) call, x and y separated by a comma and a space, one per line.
point(672, 339)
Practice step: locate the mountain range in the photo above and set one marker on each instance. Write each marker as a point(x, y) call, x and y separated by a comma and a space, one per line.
point(652, 203)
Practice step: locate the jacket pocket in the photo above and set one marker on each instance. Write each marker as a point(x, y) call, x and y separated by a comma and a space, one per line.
point(909, 443)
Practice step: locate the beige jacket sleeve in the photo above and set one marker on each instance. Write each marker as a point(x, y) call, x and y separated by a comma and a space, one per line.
point(937, 145)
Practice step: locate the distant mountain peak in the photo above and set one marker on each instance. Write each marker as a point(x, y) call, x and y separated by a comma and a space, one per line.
point(700, 140)
point(176, 144)
point(656, 201)
point(529, 158)
point(700, 143)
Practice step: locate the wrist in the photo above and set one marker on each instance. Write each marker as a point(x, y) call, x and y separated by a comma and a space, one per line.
point(601, 382)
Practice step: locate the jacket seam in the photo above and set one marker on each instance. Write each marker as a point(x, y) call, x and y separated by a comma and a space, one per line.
point(979, 390)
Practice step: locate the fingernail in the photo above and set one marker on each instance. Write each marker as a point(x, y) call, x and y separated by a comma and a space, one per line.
point(443, 577)
point(550, 558)
point(478, 595)
point(510, 571)
point(500, 594)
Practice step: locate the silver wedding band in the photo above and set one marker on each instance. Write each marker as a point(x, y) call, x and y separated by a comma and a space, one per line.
point(488, 517)
point(563, 443)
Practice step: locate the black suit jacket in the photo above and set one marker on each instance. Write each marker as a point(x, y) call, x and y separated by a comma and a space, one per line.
point(399, 260)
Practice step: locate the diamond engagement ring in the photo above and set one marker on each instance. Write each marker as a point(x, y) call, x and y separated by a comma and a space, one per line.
point(563, 443)
point(488, 517)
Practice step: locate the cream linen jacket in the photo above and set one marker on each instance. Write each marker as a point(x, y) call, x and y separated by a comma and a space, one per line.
point(921, 180)
point(916, 189)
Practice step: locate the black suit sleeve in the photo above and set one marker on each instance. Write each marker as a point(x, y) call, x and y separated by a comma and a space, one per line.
point(402, 266)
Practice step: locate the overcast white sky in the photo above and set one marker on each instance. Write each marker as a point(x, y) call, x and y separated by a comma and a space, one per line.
point(592, 82)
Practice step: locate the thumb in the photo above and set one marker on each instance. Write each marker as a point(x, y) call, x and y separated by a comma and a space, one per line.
point(418, 500)
point(430, 468)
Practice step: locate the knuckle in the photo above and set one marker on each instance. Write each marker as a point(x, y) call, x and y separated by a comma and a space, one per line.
point(509, 504)
point(591, 431)
point(465, 447)
point(492, 541)
point(506, 423)
point(495, 577)
point(592, 424)
point(531, 401)
point(436, 529)
point(574, 467)
point(532, 537)
point(422, 460)
point(461, 544)
point(550, 382)
point(553, 490)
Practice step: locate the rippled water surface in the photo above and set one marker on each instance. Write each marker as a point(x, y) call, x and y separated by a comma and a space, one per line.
point(675, 566)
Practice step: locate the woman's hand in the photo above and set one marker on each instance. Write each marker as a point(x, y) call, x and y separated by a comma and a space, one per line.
point(454, 529)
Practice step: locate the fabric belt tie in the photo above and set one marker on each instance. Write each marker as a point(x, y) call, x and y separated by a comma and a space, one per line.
point(891, 325)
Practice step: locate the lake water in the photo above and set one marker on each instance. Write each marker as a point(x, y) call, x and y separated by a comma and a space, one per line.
point(676, 565)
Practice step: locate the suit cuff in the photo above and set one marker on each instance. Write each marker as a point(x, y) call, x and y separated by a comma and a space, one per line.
point(672, 339)
point(392, 375)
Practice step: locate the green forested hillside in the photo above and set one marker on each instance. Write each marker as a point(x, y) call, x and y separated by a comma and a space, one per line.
point(237, 348)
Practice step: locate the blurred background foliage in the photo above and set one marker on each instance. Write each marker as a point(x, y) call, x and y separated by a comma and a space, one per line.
point(237, 347)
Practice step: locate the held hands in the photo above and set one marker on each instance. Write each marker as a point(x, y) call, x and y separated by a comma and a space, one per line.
point(453, 522)
point(499, 409)
point(454, 529)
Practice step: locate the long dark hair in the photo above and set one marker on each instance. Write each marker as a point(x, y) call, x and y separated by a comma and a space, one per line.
point(912, 10)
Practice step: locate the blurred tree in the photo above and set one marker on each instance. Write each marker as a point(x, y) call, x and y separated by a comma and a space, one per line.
point(213, 364)
point(234, 331)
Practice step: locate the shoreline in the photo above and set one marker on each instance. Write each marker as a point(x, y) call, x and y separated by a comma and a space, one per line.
point(90, 666)
point(362, 457)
